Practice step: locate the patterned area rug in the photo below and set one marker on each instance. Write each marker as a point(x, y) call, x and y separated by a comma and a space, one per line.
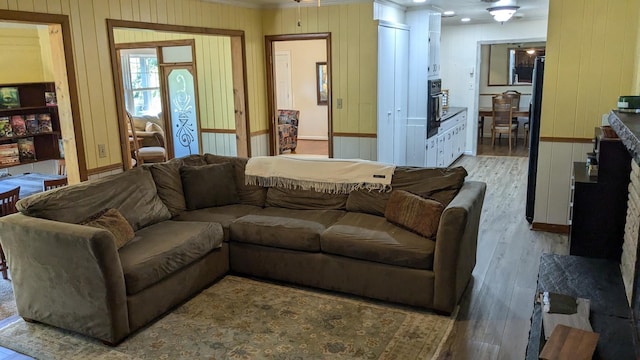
point(7, 302)
point(239, 318)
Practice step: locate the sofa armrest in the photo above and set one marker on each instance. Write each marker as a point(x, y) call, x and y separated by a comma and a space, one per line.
point(456, 244)
point(66, 275)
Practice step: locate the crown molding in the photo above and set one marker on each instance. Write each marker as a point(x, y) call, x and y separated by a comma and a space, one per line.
point(291, 4)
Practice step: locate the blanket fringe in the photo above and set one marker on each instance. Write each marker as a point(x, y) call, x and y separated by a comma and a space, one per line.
point(326, 187)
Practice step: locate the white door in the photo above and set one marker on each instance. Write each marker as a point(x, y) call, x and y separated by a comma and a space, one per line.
point(401, 99)
point(386, 95)
point(283, 80)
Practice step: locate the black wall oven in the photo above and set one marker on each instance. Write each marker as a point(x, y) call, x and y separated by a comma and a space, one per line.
point(434, 107)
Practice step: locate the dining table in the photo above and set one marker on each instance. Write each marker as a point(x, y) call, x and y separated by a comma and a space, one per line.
point(487, 111)
point(30, 183)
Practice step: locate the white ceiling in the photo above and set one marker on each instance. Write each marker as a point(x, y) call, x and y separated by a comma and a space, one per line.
point(474, 9)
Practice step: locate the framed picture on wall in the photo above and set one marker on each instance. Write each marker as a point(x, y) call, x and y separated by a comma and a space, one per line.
point(322, 83)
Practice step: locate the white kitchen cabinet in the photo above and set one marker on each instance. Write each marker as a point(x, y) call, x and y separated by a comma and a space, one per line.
point(434, 46)
point(450, 140)
point(431, 149)
point(393, 77)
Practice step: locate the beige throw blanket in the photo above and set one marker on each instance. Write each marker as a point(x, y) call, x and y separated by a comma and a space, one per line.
point(324, 175)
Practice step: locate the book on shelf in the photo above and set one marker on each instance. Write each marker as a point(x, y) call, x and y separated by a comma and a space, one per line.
point(44, 122)
point(27, 149)
point(18, 125)
point(9, 97)
point(31, 123)
point(5, 127)
point(50, 98)
point(9, 150)
point(9, 154)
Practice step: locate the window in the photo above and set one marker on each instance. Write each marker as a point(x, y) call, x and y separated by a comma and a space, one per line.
point(141, 80)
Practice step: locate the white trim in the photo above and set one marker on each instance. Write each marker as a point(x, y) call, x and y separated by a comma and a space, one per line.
point(390, 4)
point(313, 137)
point(312, 3)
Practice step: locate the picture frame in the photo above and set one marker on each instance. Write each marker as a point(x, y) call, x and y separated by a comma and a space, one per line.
point(9, 97)
point(322, 83)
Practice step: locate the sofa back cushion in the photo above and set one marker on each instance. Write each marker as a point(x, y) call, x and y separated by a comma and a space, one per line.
point(439, 184)
point(208, 185)
point(248, 194)
point(166, 175)
point(132, 192)
point(305, 199)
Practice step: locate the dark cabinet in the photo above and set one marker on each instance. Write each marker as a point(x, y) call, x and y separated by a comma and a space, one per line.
point(36, 113)
point(598, 205)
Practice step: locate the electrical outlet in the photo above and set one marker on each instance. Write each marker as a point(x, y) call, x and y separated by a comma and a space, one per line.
point(102, 151)
point(339, 103)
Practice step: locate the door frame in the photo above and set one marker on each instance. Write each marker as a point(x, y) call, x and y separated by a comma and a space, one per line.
point(271, 94)
point(239, 69)
point(36, 18)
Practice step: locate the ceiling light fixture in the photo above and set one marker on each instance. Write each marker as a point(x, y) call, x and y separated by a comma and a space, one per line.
point(531, 51)
point(465, 19)
point(448, 13)
point(502, 14)
point(419, 1)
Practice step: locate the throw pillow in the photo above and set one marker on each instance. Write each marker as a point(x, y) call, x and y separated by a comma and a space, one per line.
point(208, 185)
point(166, 175)
point(151, 127)
point(112, 221)
point(413, 212)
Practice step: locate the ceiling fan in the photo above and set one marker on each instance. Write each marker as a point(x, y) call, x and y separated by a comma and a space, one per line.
point(299, 23)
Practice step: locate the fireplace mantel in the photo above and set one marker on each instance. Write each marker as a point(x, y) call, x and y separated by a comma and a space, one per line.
point(627, 126)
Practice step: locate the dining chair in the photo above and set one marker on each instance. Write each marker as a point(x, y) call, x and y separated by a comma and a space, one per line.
point(62, 167)
point(144, 154)
point(54, 183)
point(515, 105)
point(502, 119)
point(8, 201)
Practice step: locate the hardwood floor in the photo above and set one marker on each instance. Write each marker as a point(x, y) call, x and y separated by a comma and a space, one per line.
point(502, 148)
point(494, 315)
point(311, 147)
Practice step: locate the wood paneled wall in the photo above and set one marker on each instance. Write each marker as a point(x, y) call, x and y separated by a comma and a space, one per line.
point(591, 59)
point(354, 51)
point(22, 59)
point(93, 66)
point(213, 65)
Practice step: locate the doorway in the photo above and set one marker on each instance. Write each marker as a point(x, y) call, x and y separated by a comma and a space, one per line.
point(219, 93)
point(299, 79)
point(59, 40)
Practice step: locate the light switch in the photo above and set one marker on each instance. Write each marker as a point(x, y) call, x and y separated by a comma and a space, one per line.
point(339, 104)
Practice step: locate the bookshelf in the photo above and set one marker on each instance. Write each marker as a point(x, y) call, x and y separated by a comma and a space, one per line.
point(29, 123)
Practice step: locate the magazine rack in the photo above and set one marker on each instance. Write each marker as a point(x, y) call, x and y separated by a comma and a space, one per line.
point(29, 123)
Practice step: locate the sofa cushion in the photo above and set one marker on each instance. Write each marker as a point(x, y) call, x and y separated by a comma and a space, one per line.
point(193, 160)
point(249, 194)
point(160, 250)
point(283, 228)
point(439, 184)
point(414, 213)
point(208, 185)
point(132, 192)
point(372, 238)
point(166, 175)
point(112, 221)
point(224, 215)
point(305, 199)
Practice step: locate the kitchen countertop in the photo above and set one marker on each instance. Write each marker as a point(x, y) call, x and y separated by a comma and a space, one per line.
point(451, 112)
point(627, 126)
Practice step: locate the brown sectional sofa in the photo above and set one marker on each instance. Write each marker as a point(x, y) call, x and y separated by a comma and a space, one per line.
point(73, 276)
